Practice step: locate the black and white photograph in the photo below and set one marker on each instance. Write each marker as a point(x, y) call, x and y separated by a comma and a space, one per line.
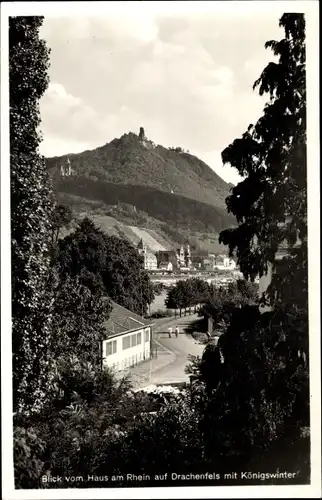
point(160, 249)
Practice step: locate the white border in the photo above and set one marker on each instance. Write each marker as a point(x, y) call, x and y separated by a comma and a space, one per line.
point(92, 9)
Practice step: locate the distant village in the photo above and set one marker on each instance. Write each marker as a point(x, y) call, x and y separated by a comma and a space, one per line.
point(181, 261)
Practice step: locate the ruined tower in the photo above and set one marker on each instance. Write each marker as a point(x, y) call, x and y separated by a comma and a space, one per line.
point(141, 134)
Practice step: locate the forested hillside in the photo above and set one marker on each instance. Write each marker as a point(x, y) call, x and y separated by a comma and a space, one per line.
point(133, 160)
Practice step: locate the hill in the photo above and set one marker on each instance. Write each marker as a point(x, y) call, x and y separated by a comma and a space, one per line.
point(144, 185)
point(177, 211)
point(132, 160)
point(157, 235)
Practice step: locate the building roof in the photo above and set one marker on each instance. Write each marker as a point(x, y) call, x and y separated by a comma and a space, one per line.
point(140, 245)
point(166, 252)
point(121, 321)
point(151, 255)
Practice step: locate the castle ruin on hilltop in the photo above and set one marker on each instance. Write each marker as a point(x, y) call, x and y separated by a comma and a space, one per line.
point(144, 140)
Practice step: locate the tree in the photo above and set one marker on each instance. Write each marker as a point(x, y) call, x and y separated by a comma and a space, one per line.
point(148, 293)
point(170, 441)
point(115, 263)
point(223, 301)
point(171, 301)
point(83, 249)
point(187, 293)
point(124, 278)
point(177, 297)
point(263, 364)
point(79, 315)
point(158, 288)
point(270, 203)
point(31, 209)
point(201, 291)
point(249, 379)
point(62, 217)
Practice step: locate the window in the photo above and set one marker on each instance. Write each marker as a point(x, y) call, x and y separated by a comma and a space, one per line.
point(133, 340)
point(126, 342)
point(147, 335)
point(110, 348)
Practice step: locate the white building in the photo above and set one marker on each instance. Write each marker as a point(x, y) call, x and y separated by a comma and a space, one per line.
point(150, 260)
point(129, 339)
point(229, 264)
point(224, 263)
point(166, 266)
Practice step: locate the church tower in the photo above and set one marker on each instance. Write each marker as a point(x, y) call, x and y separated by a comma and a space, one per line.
point(188, 256)
point(141, 247)
point(181, 257)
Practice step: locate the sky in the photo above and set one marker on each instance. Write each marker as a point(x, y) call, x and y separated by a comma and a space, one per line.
point(185, 76)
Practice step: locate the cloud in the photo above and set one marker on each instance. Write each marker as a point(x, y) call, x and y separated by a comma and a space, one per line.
point(68, 116)
point(57, 146)
point(186, 78)
point(224, 75)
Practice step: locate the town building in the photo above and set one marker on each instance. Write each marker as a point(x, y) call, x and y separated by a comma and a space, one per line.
point(184, 257)
point(166, 266)
point(180, 257)
point(224, 263)
point(129, 339)
point(149, 259)
point(208, 264)
point(167, 256)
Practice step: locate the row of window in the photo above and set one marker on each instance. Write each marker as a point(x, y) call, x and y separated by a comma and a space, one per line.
point(127, 342)
point(131, 340)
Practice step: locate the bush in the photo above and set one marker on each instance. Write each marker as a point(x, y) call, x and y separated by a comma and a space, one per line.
point(162, 313)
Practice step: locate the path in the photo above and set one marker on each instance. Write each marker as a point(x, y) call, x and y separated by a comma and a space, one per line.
point(170, 363)
point(180, 347)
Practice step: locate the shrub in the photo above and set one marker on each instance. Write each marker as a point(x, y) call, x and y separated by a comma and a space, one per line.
point(162, 313)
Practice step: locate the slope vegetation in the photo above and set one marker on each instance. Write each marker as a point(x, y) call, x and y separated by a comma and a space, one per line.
point(131, 160)
point(169, 195)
